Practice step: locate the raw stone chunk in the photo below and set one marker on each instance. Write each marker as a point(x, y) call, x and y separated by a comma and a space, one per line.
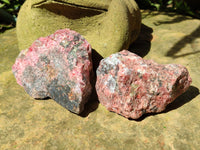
point(58, 66)
point(131, 86)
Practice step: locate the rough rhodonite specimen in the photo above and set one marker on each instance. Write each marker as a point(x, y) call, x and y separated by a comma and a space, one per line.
point(58, 66)
point(131, 86)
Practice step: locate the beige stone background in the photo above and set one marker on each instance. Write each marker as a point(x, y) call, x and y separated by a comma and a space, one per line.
point(26, 123)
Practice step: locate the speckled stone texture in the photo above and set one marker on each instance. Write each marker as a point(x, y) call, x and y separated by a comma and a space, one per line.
point(58, 66)
point(131, 86)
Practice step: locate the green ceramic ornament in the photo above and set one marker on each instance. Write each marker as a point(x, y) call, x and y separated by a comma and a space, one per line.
point(108, 25)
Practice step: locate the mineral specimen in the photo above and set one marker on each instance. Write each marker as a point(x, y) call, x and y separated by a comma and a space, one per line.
point(131, 86)
point(58, 66)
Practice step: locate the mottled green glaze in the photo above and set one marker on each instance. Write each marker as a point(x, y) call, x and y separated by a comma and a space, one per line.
point(108, 25)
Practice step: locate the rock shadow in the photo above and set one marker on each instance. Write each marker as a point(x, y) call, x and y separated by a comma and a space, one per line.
point(186, 97)
point(96, 58)
point(91, 105)
point(93, 102)
point(142, 45)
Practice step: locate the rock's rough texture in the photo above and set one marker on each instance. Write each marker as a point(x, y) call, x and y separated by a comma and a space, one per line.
point(131, 86)
point(108, 25)
point(58, 66)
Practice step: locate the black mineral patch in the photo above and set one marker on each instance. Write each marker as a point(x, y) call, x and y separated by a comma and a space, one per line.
point(60, 95)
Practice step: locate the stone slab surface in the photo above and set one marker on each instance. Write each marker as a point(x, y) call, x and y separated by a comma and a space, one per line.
point(26, 123)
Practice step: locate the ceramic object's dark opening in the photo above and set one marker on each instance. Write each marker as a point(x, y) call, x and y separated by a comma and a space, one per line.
point(68, 10)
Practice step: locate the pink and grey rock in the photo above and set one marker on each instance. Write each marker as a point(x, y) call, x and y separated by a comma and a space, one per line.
point(131, 86)
point(58, 66)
